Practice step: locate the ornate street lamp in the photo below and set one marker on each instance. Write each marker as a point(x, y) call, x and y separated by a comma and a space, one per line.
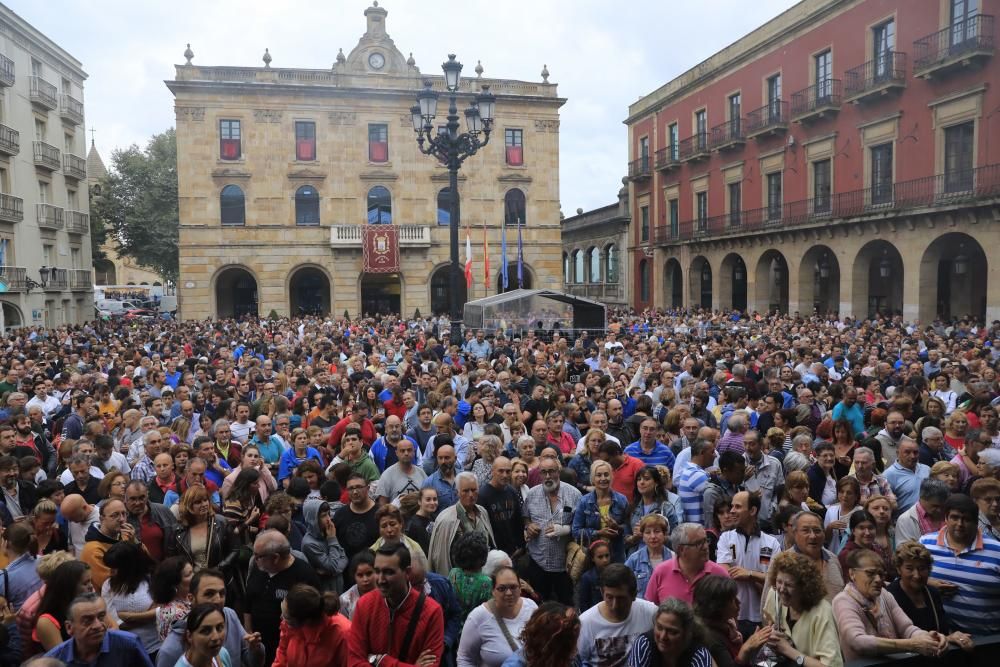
point(824, 268)
point(452, 148)
point(43, 276)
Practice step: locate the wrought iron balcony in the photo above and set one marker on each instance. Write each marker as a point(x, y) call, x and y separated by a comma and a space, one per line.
point(961, 44)
point(14, 277)
point(49, 216)
point(58, 280)
point(728, 136)
point(6, 71)
point(42, 93)
point(11, 208)
point(46, 155)
point(667, 159)
point(351, 236)
point(10, 140)
point(80, 279)
point(638, 170)
point(817, 100)
point(768, 119)
point(883, 74)
point(694, 148)
point(70, 109)
point(77, 222)
point(74, 167)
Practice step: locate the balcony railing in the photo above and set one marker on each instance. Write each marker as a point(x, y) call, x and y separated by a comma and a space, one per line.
point(597, 291)
point(6, 71)
point(351, 236)
point(728, 135)
point(667, 159)
point(74, 167)
point(46, 155)
point(42, 93)
point(882, 74)
point(768, 119)
point(10, 140)
point(959, 44)
point(818, 99)
point(77, 222)
point(80, 279)
point(49, 216)
point(14, 277)
point(58, 280)
point(639, 169)
point(958, 187)
point(694, 147)
point(11, 208)
point(70, 109)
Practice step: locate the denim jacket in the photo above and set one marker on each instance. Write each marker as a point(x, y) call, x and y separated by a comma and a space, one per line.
point(587, 521)
point(670, 509)
point(639, 563)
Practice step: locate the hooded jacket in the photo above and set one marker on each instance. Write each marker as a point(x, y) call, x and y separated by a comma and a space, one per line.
point(323, 553)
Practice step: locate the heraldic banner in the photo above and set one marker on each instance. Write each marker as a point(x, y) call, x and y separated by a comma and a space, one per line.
point(381, 249)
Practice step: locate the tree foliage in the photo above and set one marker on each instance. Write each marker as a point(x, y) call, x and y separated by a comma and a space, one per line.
point(137, 204)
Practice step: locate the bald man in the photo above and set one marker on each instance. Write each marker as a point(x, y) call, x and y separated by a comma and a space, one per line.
point(503, 505)
point(81, 515)
point(383, 450)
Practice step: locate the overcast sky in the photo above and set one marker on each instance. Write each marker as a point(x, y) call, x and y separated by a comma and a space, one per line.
point(604, 55)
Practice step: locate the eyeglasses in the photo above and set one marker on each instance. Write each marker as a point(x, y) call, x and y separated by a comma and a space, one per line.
point(507, 588)
point(696, 544)
point(548, 472)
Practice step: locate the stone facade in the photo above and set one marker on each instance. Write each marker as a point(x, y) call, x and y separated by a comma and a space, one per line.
point(595, 243)
point(272, 263)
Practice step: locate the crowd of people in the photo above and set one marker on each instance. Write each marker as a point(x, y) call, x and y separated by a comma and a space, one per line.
point(682, 489)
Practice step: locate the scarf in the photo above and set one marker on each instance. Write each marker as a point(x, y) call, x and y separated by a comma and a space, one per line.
point(874, 611)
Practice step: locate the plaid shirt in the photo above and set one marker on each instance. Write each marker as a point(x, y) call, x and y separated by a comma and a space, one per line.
point(877, 487)
point(143, 470)
point(548, 552)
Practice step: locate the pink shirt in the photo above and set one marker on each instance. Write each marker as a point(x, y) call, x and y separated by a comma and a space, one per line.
point(669, 582)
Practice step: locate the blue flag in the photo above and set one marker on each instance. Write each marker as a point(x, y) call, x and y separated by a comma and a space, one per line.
point(520, 257)
point(503, 256)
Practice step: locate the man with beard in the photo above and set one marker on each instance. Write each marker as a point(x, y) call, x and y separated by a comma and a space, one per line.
point(18, 498)
point(889, 437)
point(548, 518)
point(401, 477)
point(27, 441)
point(443, 479)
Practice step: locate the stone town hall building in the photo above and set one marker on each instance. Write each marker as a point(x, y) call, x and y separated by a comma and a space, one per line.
point(281, 170)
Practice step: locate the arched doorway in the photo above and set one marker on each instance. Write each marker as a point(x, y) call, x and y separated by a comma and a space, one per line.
point(878, 280)
point(105, 272)
point(525, 282)
point(309, 292)
point(441, 290)
point(381, 294)
point(772, 282)
point(12, 317)
point(733, 282)
point(700, 279)
point(953, 281)
point(235, 293)
point(674, 287)
point(819, 281)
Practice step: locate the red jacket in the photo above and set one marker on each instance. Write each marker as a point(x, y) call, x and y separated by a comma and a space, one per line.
point(368, 432)
point(372, 625)
point(623, 478)
point(321, 645)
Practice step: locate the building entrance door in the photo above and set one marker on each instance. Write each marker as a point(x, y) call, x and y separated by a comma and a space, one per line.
point(381, 294)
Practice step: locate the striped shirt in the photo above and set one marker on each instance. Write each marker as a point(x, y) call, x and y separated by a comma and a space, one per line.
point(643, 653)
point(660, 456)
point(975, 608)
point(691, 484)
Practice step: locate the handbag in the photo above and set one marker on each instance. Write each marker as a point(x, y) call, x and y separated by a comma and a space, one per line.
point(576, 558)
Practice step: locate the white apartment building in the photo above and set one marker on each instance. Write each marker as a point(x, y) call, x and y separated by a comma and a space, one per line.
point(45, 257)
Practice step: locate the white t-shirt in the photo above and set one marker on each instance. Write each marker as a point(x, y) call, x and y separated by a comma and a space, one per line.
point(753, 553)
point(66, 477)
point(605, 644)
point(483, 643)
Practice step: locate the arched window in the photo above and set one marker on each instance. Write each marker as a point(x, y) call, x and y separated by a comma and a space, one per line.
point(514, 208)
point(233, 205)
point(595, 265)
point(306, 206)
point(444, 206)
point(580, 273)
point(611, 264)
point(567, 269)
point(644, 281)
point(379, 206)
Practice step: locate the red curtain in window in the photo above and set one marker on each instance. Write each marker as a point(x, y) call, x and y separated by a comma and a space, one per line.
point(230, 149)
point(305, 149)
point(515, 155)
point(379, 151)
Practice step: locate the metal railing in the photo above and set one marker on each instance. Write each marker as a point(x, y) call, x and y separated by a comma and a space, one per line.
point(14, 277)
point(6, 71)
point(10, 140)
point(58, 279)
point(727, 134)
point(42, 92)
point(11, 208)
point(597, 291)
point(49, 216)
point(887, 68)
point(951, 188)
point(46, 155)
point(693, 147)
point(639, 168)
point(666, 158)
point(772, 116)
point(77, 222)
point(410, 236)
point(74, 166)
point(80, 279)
point(71, 108)
point(818, 97)
point(960, 38)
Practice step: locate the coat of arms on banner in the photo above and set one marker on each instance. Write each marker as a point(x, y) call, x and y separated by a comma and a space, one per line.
point(381, 249)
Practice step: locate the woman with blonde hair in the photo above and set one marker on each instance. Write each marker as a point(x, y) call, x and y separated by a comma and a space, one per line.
point(519, 471)
point(180, 430)
point(201, 536)
point(947, 472)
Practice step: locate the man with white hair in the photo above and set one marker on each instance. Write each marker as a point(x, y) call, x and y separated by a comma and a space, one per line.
point(676, 578)
point(462, 517)
point(872, 484)
point(548, 518)
point(933, 447)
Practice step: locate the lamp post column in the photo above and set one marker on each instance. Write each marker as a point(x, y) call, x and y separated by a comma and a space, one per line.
point(456, 272)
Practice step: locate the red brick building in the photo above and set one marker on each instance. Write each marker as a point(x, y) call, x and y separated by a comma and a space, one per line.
point(844, 156)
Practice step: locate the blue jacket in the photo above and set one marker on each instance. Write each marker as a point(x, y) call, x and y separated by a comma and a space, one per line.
point(587, 521)
point(639, 563)
point(443, 593)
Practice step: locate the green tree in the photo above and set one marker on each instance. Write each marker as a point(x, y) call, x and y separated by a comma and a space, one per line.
point(136, 203)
